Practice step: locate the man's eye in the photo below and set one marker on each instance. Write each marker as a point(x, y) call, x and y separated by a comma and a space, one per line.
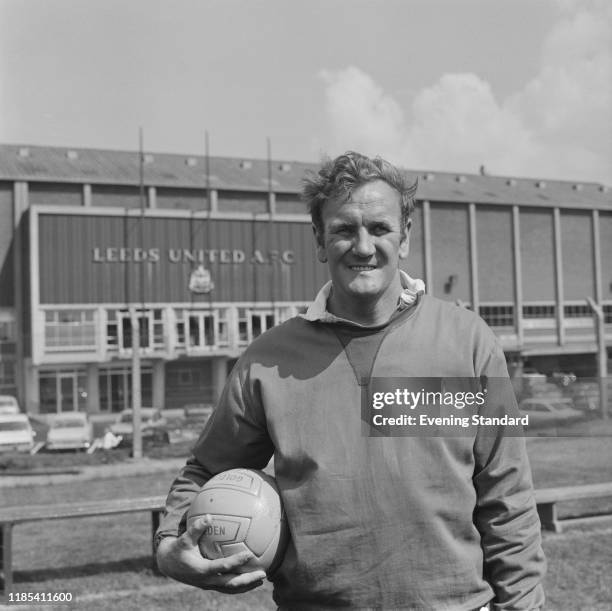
point(343, 230)
point(380, 229)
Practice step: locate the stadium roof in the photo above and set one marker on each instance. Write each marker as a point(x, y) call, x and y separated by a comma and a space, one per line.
point(94, 166)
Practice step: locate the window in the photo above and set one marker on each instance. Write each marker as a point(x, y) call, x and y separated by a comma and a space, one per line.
point(8, 344)
point(181, 377)
point(7, 331)
point(577, 311)
point(222, 327)
point(158, 328)
point(202, 328)
point(7, 374)
point(70, 329)
point(498, 315)
point(607, 312)
point(116, 388)
point(150, 328)
point(252, 323)
point(539, 311)
point(62, 391)
point(143, 331)
point(112, 329)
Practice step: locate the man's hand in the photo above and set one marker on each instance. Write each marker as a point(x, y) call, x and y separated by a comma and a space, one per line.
point(181, 559)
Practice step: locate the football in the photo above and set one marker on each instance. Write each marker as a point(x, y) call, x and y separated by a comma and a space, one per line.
point(247, 515)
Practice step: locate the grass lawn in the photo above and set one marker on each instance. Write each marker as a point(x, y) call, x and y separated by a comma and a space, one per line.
point(69, 459)
point(105, 562)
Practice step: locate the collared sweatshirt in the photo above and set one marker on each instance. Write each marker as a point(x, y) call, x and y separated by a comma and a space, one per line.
point(377, 522)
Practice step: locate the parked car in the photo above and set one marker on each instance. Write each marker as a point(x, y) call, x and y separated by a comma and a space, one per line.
point(16, 433)
point(153, 425)
point(197, 413)
point(585, 395)
point(9, 405)
point(543, 411)
point(70, 431)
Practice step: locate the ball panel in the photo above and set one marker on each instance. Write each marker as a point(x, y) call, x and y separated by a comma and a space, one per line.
point(225, 501)
point(225, 528)
point(263, 531)
point(234, 548)
point(241, 479)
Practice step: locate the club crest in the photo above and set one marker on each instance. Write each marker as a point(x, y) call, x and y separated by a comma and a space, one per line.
point(200, 280)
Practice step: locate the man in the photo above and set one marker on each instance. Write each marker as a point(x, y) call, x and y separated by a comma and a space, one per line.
point(389, 522)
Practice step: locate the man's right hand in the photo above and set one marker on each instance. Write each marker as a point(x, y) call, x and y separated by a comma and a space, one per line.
point(181, 559)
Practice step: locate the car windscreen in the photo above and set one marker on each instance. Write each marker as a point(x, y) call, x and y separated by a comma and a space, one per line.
point(13, 426)
point(67, 424)
point(144, 418)
point(561, 404)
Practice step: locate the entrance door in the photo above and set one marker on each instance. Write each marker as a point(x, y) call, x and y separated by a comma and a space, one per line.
point(119, 392)
point(116, 389)
point(67, 393)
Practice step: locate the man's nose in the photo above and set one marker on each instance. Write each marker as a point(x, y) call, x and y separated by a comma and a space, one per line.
point(363, 245)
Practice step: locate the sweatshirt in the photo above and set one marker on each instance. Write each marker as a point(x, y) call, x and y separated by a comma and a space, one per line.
point(376, 522)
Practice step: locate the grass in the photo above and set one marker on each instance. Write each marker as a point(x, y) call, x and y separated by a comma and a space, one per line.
point(105, 562)
point(71, 459)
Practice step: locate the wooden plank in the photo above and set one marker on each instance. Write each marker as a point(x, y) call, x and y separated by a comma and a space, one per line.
point(6, 556)
point(585, 520)
point(548, 517)
point(571, 493)
point(17, 515)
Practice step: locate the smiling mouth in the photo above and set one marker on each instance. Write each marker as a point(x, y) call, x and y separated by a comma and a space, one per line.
point(362, 268)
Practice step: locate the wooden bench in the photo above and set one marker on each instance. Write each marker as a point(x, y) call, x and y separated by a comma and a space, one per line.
point(547, 500)
point(10, 516)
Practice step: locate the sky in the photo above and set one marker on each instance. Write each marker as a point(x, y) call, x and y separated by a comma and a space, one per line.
point(523, 87)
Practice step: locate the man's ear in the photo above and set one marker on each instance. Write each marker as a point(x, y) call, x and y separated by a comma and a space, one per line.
point(404, 248)
point(320, 244)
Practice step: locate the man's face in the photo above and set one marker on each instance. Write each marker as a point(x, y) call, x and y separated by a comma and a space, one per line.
point(363, 241)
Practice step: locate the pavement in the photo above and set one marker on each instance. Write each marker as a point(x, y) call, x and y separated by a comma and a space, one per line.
point(141, 466)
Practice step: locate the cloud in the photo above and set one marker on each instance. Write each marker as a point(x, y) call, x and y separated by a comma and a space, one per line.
point(458, 122)
point(558, 125)
point(363, 116)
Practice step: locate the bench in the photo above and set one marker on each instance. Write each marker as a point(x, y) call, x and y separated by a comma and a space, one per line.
point(10, 516)
point(547, 500)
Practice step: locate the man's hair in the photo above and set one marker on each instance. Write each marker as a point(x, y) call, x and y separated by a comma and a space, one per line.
point(337, 178)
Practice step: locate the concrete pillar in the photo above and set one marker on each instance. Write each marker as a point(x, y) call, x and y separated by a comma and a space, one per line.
point(214, 200)
point(93, 388)
point(559, 296)
point(20, 205)
point(152, 197)
point(427, 248)
point(271, 203)
point(31, 390)
point(86, 195)
point(159, 383)
point(219, 376)
point(474, 290)
point(597, 256)
point(518, 275)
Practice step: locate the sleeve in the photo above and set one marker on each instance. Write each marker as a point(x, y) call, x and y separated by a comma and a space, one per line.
point(235, 436)
point(506, 514)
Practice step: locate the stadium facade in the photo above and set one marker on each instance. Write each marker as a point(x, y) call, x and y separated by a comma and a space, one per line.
point(207, 253)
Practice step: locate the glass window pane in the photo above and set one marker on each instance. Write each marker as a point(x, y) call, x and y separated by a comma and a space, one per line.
point(209, 331)
point(194, 331)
